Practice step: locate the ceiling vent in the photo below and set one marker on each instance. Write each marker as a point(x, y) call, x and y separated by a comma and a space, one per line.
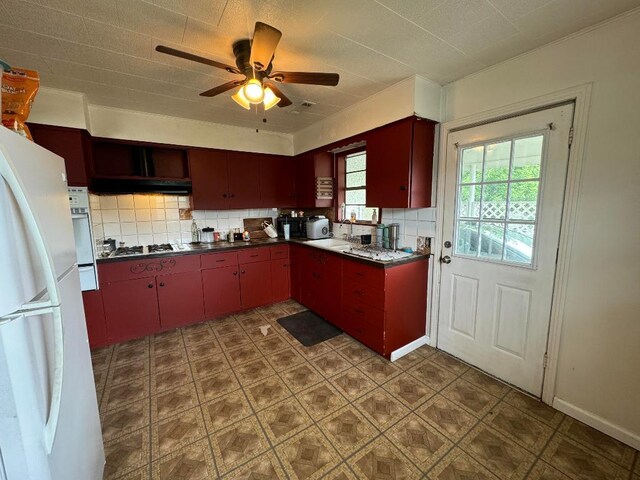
point(304, 105)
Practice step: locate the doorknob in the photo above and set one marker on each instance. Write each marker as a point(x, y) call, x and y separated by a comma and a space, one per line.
point(446, 259)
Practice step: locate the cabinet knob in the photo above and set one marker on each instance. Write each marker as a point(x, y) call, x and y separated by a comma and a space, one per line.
point(161, 284)
point(150, 285)
point(403, 187)
point(242, 271)
point(231, 195)
point(224, 195)
point(235, 273)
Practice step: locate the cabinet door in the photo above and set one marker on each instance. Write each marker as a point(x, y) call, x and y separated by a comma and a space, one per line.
point(221, 288)
point(296, 258)
point(180, 299)
point(305, 180)
point(70, 144)
point(280, 280)
point(209, 179)
point(277, 181)
point(388, 164)
point(131, 309)
point(244, 180)
point(94, 316)
point(255, 284)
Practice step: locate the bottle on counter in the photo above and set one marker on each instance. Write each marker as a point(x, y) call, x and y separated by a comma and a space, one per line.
point(245, 235)
point(230, 236)
point(374, 217)
point(195, 234)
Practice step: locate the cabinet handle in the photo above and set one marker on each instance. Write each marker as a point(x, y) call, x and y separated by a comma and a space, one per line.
point(150, 285)
point(403, 187)
point(254, 256)
point(161, 284)
point(242, 271)
point(235, 273)
point(231, 195)
point(224, 195)
point(218, 261)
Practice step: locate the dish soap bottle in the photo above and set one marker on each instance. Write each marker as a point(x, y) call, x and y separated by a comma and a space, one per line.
point(374, 217)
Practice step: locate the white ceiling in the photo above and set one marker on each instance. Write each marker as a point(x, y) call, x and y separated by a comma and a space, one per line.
point(105, 48)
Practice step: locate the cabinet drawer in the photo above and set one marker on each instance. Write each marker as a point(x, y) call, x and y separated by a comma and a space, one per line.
point(364, 274)
point(360, 329)
point(281, 251)
point(360, 312)
point(219, 260)
point(253, 255)
point(355, 291)
point(132, 269)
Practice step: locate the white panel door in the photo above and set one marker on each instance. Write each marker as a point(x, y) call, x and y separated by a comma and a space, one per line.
point(504, 190)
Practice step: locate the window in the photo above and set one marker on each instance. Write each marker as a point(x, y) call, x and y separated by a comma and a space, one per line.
point(355, 192)
point(497, 200)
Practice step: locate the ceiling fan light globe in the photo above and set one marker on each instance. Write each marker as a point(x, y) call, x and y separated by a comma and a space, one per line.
point(253, 91)
point(241, 100)
point(270, 99)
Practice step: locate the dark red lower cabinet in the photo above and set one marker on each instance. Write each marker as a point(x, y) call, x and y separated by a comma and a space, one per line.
point(221, 290)
point(131, 309)
point(180, 298)
point(280, 280)
point(255, 285)
point(94, 315)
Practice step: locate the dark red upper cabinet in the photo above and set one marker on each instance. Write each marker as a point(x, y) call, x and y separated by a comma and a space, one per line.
point(72, 144)
point(400, 163)
point(277, 181)
point(309, 166)
point(244, 179)
point(209, 179)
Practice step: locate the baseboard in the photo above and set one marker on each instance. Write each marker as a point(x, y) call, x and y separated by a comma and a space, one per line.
point(599, 423)
point(409, 347)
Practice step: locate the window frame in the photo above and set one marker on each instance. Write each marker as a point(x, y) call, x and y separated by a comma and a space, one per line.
point(505, 222)
point(341, 177)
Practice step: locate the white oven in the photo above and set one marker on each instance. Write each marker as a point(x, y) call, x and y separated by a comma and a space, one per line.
point(83, 233)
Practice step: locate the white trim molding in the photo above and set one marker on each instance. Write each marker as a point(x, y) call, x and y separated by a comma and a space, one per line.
point(409, 347)
point(599, 423)
point(581, 96)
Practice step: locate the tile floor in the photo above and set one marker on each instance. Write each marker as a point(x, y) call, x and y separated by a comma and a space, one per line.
point(220, 400)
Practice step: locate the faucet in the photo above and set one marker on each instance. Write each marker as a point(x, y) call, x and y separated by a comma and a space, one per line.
point(349, 237)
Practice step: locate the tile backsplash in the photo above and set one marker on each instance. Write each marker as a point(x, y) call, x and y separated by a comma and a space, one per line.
point(149, 219)
point(414, 222)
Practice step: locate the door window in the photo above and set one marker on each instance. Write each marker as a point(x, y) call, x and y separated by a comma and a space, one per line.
point(497, 199)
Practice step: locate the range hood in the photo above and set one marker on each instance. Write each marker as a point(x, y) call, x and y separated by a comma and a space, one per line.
point(141, 185)
point(150, 170)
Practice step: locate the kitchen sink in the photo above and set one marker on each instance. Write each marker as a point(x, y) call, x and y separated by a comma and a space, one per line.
point(331, 244)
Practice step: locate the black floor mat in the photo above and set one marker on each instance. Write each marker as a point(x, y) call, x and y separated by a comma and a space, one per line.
point(308, 328)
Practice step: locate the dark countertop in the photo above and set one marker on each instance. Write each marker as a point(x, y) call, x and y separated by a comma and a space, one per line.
point(224, 246)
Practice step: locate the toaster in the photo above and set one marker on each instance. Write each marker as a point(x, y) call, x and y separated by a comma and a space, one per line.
point(318, 227)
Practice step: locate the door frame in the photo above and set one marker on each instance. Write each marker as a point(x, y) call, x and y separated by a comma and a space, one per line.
point(580, 95)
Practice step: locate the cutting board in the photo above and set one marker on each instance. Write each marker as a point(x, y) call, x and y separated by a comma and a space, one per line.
point(254, 227)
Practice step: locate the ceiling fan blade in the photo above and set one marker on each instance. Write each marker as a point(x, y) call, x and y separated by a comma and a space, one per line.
point(196, 58)
point(284, 100)
point(222, 88)
point(307, 78)
point(265, 41)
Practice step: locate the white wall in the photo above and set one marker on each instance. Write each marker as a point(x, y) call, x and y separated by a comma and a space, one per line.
point(599, 361)
point(118, 123)
point(413, 95)
point(59, 107)
point(70, 109)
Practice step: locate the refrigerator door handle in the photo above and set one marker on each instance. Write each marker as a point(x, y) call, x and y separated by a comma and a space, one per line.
point(53, 416)
point(31, 223)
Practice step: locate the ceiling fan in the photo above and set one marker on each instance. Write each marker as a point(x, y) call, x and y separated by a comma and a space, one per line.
point(254, 60)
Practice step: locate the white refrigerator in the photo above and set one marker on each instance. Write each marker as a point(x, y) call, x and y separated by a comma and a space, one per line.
point(49, 421)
